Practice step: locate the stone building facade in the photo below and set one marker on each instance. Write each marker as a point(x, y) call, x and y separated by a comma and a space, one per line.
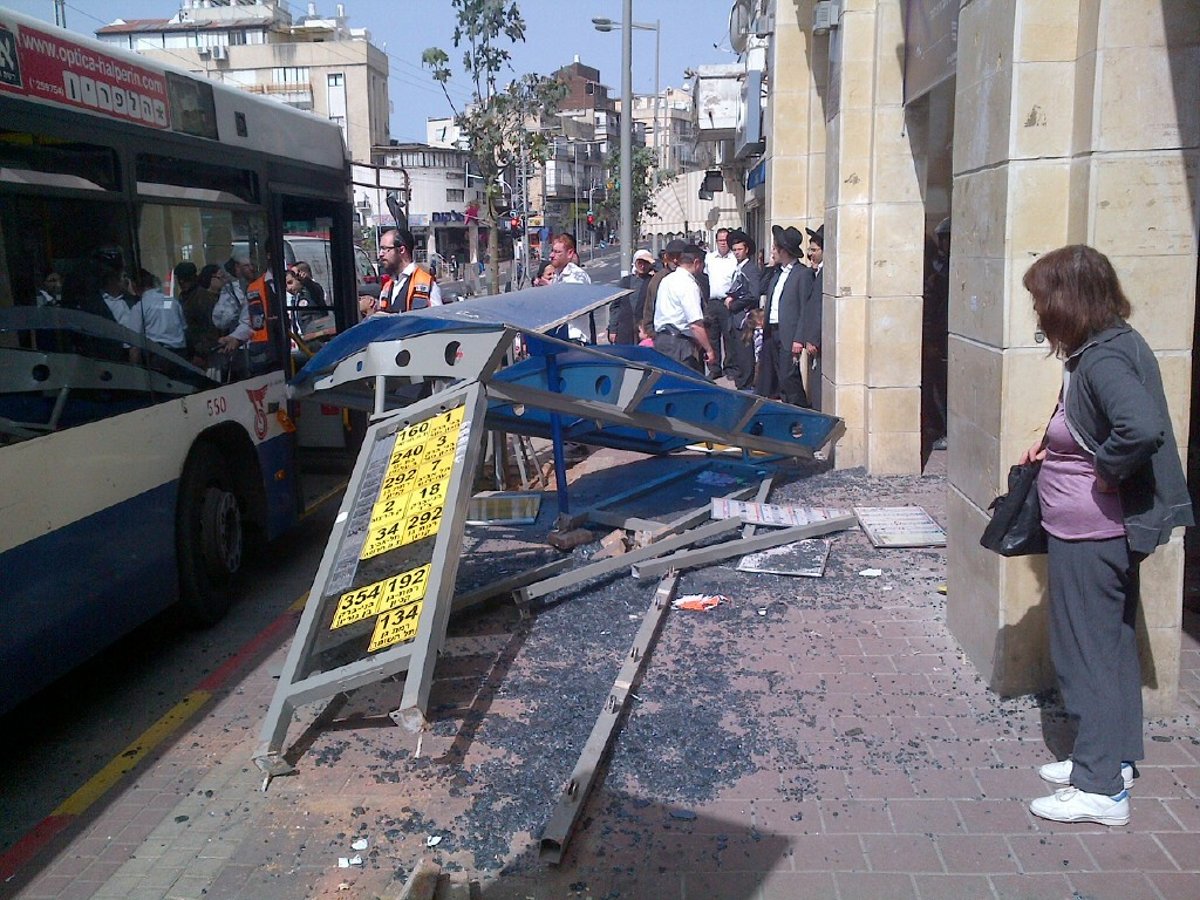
point(1075, 121)
point(313, 62)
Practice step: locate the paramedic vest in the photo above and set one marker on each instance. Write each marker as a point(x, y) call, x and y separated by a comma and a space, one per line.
point(258, 309)
point(416, 292)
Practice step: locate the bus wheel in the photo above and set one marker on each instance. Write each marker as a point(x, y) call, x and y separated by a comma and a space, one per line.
point(210, 536)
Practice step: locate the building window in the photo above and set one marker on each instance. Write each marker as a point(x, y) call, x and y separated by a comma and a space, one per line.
point(455, 195)
point(290, 75)
point(337, 79)
point(237, 39)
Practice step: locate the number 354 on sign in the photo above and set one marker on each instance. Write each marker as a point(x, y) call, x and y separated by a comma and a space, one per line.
point(407, 589)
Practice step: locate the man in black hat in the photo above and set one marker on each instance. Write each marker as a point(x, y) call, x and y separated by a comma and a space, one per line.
point(810, 316)
point(787, 294)
point(741, 300)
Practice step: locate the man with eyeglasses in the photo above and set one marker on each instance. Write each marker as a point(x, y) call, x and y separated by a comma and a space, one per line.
point(406, 286)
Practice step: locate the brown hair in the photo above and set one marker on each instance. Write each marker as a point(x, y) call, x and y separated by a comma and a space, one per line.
point(567, 241)
point(1076, 293)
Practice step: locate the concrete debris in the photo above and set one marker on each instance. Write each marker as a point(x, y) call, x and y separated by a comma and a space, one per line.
point(871, 573)
point(569, 540)
point(615, 543)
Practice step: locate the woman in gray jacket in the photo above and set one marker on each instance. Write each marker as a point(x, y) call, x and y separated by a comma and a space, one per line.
point(1111, 488)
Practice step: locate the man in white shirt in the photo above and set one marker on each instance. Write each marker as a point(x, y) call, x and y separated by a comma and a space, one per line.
point(162, 316)
point(566, 261)
point(679, 331)
point(719, 264)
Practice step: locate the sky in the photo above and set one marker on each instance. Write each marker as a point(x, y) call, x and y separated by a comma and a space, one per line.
point(694, 33)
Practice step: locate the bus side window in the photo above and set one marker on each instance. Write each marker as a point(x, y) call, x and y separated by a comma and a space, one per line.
point(235, 241)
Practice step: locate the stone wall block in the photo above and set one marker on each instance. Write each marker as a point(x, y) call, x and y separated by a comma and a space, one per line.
point(892, 452)
point(1144, 204)
point(788, 188)
point(1176, 369)
point(893, 341)
point(858, 84)
point(982, 114)
point(894, 409)
point(1162, 292)
point(849, 402)
point(854, 156)
point(981, 213)
point(1159, 651)
point(1162, 585)
point(842, 330)
point(1031, 385)
point(898, 163)
point(1043, 109)
point(972, 583)
point(977, 297)
point(897, 260)
point(1133, 23)
point(1047, 32)
point(1142, 106)
point(848, 274)
point(858, 32)
point(985, 40)
point(1039, 196)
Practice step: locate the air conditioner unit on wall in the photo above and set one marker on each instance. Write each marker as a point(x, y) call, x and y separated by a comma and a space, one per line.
point(825, 16)
point(219, 52)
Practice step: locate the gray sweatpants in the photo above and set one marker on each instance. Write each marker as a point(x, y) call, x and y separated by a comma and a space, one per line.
point(1094, 595)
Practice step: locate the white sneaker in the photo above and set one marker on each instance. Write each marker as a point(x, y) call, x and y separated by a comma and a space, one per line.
point(1060, 773)
point(1073, 805)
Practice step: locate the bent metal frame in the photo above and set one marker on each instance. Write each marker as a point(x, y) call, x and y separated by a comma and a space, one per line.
point(383, 593)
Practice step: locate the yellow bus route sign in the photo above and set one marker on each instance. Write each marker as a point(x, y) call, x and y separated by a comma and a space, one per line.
point(382, 595)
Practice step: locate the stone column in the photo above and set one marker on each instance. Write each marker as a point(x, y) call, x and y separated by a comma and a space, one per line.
point(874, 228)
point(1075, 123)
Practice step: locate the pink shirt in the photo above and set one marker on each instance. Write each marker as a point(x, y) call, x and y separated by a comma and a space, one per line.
point(1073, 507)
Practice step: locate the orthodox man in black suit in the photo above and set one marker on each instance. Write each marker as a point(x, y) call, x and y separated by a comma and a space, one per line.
point(745, 289)
point(810, 324)
point(787, 294)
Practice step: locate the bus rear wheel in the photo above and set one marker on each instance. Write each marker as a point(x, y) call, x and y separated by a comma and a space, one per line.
point(210, 536)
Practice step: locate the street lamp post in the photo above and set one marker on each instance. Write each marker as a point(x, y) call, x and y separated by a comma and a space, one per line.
point(627, 25)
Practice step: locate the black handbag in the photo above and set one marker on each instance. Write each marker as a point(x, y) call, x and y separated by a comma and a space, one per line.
point(1016, 525)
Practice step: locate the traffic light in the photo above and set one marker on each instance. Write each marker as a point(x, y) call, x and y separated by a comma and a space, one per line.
point(591, 220)
point(515, 224)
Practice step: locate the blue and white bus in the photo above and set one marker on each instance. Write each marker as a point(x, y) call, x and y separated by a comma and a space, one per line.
point(137, 467)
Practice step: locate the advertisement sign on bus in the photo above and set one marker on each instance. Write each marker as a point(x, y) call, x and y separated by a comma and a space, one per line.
point(44, 66)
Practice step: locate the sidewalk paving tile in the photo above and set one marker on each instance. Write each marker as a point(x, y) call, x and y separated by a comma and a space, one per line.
point(893, 885)
point(1051, 853)
point(1031, 887)
point(1121, 885)
point(1117, 851)
point(902, 853)
point(983, 853)
point(954, 887)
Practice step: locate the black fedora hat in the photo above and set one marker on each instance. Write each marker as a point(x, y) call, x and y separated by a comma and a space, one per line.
point(818, 236)
point(790, 239)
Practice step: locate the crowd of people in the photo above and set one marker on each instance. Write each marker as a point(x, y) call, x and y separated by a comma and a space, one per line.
point(722, 313)
point(208, 314)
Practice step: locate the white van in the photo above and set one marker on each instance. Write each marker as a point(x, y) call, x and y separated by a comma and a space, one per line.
point(315, 252)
